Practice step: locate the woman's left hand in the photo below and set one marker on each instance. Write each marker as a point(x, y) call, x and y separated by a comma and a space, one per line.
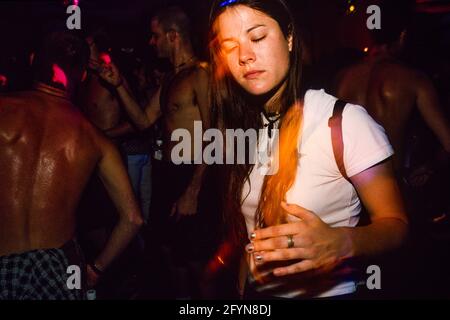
point(318, 246)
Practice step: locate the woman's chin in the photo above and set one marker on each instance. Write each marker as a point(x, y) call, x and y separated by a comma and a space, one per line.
point(257, 91)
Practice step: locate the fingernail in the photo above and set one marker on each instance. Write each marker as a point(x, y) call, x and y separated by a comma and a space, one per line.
point(258, 258)
point(250, 247)
point(253, 236)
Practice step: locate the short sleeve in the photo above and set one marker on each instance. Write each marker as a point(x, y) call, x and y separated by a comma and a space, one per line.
point(365, 141)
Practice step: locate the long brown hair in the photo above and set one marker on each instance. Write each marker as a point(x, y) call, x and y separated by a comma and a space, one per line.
point(233, 108)
point(275, 186)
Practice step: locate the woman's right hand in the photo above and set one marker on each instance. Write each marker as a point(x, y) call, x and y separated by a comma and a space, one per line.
point(311, 244)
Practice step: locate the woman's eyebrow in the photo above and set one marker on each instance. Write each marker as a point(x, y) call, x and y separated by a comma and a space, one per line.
point(248, 30)
point(254, 27)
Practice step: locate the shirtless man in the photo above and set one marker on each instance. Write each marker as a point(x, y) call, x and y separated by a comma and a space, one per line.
point(101, 107)
point(390, 91)
point(48, 151)
point(181, 100)
point(97, 98)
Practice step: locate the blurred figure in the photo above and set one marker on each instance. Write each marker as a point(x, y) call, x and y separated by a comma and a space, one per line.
point(101, 107)
point(98, 98)
point(181, 100)
point(391, 90)
point(137, 144)
point(48, 151)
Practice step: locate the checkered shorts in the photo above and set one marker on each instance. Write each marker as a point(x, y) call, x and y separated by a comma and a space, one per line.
point(36, 275)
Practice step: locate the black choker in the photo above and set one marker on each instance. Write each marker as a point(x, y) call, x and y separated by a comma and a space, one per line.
point(272, 118)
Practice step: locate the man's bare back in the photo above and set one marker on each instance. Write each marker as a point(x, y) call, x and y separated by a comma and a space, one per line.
point(47, 153)
point(390, 91)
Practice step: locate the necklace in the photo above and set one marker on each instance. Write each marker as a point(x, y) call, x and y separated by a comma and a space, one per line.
point(272, 118)
point(185, 62)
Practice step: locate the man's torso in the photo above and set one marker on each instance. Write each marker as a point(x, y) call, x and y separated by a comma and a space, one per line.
point(179, 106)
point(101, 107)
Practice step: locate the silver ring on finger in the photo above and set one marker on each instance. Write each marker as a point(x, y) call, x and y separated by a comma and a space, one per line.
point(290, 241)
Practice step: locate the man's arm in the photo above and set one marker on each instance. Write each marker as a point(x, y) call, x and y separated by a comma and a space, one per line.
point(429, 107)
point(142, 119)
point(428, 103)
point(120, 130)
point(115, 179)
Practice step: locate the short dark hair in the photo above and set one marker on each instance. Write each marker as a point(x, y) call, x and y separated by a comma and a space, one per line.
point(174, 18)
point(395, 18)
point(68, 51)
point(100, 34)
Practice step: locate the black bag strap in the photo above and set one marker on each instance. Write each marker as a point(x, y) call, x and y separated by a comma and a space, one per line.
point(335, 123)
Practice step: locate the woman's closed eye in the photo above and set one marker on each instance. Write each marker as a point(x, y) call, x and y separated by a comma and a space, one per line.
point(227, 47)
point(258, 39)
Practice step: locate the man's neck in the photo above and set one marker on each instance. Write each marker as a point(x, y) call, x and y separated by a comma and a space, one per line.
point(382, 52)
point(183, 59)
point(50, 90)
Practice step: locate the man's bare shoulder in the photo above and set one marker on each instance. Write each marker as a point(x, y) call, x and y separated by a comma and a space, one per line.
point(392, 70)
point(202, 69)
point(201, 74)
point(13, 112)
point(12, 101)
point(401, 73)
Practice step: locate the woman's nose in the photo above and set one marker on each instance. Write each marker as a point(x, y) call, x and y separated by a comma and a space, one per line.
point(246, 54)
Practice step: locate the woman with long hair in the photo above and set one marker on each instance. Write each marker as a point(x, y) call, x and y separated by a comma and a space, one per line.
point(298, 223)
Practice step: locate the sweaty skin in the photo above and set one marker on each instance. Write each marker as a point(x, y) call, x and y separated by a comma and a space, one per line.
point(390, 91)
point(99, 103)
point(48, 151)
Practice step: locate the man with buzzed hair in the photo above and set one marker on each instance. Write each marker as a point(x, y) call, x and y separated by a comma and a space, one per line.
point(181, 100)
point(48, 151)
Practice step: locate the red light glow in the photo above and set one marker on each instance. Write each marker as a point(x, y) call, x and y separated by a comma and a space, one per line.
point(59, 76)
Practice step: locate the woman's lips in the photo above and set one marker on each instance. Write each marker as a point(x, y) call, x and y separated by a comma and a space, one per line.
point(253, 74)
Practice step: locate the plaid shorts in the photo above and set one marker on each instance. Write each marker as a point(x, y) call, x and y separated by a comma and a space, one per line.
point(36, 275)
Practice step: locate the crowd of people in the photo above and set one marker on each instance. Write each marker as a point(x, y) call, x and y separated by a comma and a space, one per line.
point(88, 177)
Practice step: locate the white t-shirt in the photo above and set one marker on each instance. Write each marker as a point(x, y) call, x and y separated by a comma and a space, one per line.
point(319, 186)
